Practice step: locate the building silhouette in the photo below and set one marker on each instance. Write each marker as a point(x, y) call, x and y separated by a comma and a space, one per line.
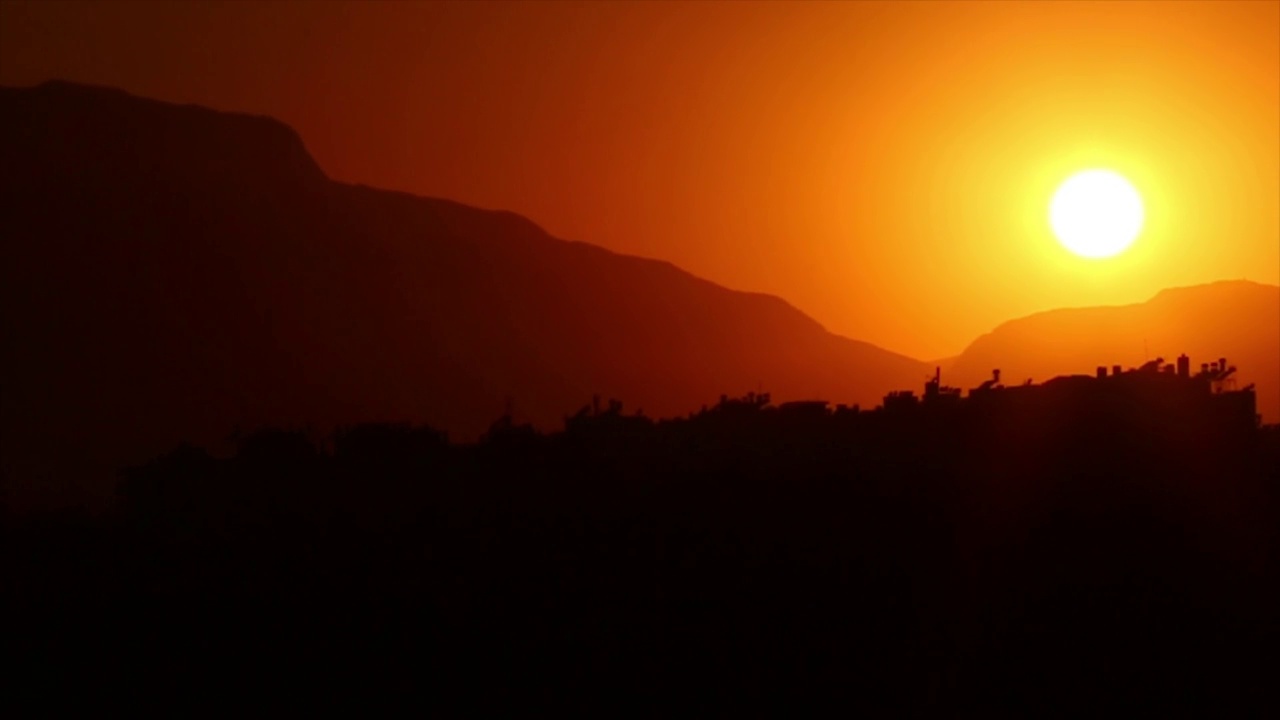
point(1154, 387)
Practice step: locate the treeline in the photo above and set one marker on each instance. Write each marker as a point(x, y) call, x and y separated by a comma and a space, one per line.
point(747, 558)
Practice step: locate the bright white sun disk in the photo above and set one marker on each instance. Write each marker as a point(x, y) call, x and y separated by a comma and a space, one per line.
point(1096, 213)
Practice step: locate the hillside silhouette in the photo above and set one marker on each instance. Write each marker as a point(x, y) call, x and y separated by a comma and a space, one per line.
point(1088, 543)
point(1237, 319)
point(171, 272)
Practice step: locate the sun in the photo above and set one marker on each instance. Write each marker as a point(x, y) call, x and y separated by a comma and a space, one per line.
point(1096, 213)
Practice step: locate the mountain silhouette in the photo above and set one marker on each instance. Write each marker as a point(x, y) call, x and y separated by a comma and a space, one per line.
point(1236, 319)
point(171, 273)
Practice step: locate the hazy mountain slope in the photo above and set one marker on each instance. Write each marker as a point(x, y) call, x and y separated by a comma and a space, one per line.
point(170, 272)
point(1238, 320)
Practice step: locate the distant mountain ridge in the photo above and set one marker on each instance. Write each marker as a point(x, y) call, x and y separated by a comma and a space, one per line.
point(111, 128)
point(171, 273)
point(1235, 319)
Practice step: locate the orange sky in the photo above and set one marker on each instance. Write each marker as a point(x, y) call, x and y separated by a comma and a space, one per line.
point(884, 167)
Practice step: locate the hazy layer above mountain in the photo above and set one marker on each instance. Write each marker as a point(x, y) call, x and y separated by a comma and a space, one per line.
point(170, 272)
point(1238, 320)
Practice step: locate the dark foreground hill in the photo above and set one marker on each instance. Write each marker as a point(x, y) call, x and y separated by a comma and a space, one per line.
point(1238, 320)
point(170, 273)
point(1058, 558)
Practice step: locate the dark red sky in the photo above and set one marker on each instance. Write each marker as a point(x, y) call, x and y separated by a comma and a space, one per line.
point(886, 167)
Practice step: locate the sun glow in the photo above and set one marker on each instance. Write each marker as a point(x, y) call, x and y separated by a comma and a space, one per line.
point(1096, 213)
